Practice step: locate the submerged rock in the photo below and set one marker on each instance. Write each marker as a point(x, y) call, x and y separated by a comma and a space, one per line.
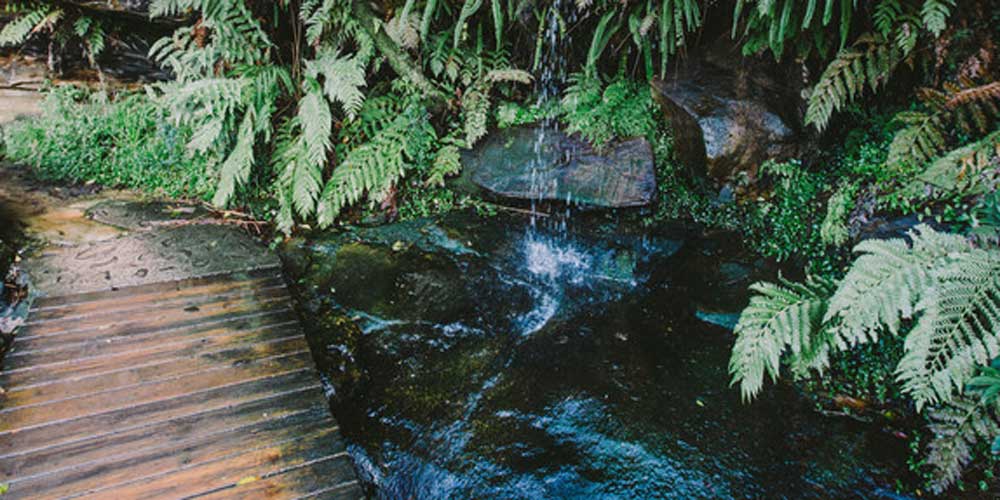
point(532, 163)
point(722, 125)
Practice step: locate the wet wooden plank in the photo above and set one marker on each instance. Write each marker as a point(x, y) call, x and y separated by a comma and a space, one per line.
point(152, 289)
point(35, 353)
point(169, 390)
point(155, 315)
point(127, 443)
point(106, 301)
point(301, 451)
point(151, 349)
point(143, 373)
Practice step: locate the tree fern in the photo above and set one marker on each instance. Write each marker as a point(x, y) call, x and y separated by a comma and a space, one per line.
point(949, 289)
point(958, 328)
point(781, 317)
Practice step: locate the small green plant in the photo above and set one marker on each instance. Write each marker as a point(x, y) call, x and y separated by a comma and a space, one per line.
point(125, 140)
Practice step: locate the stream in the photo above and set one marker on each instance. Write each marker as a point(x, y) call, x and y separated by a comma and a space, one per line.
point(496, 359)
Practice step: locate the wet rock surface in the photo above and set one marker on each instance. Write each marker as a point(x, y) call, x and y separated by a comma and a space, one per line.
point(534, 164)
point(87, 240)
point(550, 364)
point(724, 123)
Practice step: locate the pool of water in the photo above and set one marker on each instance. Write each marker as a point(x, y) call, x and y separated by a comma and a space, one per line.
point(478, 358)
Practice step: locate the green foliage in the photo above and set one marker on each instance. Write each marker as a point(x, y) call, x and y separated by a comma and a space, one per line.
point(781, 317)
point(126, 141)
point(600, 114)
point(868, 63)
point(374, 167)
point(937, 290)
point(959, 428)
point(62, 23)
point(785, 225)
point(834, 230)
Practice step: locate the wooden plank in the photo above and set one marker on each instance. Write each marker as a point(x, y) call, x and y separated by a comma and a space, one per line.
point(73, 429)
point(195, 449)
point(170, 390)
point(29, 413)
point(68, 300)
point(170, 291)
point(130, 442)
point(155, 347)
point(313, 482)
point(156, 314)
point(126, 341)
point(20, 417)
point(301, 451)
point(132, 376)
point(182, 308)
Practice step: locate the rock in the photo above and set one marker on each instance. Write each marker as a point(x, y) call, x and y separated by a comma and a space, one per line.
point(528, 163)
point(133, 7)
point(723, 125)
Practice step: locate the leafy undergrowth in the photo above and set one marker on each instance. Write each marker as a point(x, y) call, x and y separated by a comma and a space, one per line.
point(125, 141)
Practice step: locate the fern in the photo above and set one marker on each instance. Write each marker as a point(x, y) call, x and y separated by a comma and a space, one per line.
point(373, 167)
point(885, 282)
point(447, 162)
point(18, 30)
point(834, 230)
point(972, 109)
point(869, 63)
point(964, 170)
point(781, 317)
point(957, 429)
point(958, 328)
point(949, 289)
point(343, 78)
point(934, 14)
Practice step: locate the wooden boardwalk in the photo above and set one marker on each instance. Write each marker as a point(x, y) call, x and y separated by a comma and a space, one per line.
point(200, 387)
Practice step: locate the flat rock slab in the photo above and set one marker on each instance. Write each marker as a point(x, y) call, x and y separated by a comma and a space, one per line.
point(543, 164)
point(135, 214)
point(154, 256)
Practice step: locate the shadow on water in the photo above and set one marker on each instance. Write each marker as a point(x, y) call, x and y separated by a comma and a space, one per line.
point(495, 362)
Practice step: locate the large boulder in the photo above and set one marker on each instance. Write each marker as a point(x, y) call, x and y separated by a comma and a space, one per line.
point(546, 164)
point(724, 123)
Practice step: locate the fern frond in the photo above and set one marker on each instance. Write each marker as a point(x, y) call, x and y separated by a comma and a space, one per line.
point(964, 170)
point(376, 165)
point(237, 166)
point(916, 144)
point(869, 63)
point(957, 429)
point(343, 78)
point(885, 282)
point(780, 317)
point(958, 328)
point(447, 162)
point(18, 30)
point(934, 14)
